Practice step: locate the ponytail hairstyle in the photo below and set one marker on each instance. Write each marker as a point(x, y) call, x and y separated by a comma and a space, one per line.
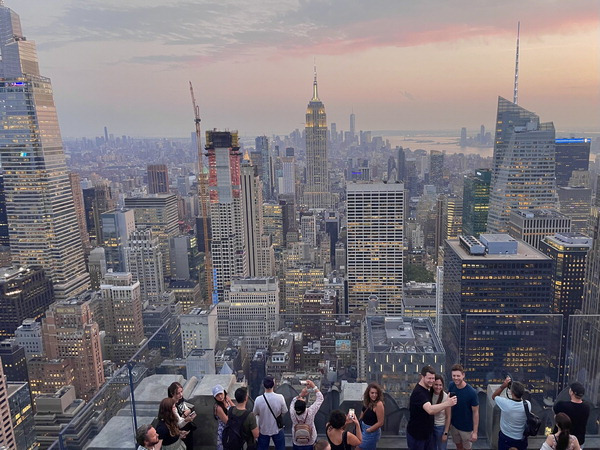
point(564, 425)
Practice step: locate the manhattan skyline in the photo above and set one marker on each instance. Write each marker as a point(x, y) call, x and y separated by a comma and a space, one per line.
point(398, 66)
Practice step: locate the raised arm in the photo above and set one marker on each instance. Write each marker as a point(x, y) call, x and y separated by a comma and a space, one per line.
point(434, 409)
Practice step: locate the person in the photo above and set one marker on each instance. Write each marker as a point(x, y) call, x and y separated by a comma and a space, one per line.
point(147, 437)
point(441, 424)
point(167, 429)
point(222, 404)
point(577, 409)
point(513, 418)
point(420, 428)
point(338, 438)
point(250, 425)
point(563, 439)
point(185, 416)
point(322, 444)
point(300, 414)
point(371, 417)
point(267, 407)
point(465, 414)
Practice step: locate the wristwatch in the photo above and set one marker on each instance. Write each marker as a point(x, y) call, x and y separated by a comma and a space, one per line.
point(445, 433)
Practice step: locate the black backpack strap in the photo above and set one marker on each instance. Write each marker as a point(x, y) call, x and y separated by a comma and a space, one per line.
point(526, 408)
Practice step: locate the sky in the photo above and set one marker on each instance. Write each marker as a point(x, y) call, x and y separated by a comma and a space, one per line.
point(397, 64)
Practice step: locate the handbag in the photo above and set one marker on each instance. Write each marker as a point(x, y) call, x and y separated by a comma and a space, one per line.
point(278, 419)
point(533, 422)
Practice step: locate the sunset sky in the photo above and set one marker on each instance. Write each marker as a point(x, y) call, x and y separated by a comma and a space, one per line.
point(405, 65)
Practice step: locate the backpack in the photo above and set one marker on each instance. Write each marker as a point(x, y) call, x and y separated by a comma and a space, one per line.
point(303, 433)
point(533, 424)
point(233, 432)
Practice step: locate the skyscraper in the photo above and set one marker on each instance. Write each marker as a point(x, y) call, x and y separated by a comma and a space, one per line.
point(7, 434)
point(117, 226)
point(158, 179)
point(375, 245)
point(585, 359)
point(144, 261)
point(523, 174)
point(259, 250)
point(159, 213)
point(39, 201)
point(227, 243)
point(70, 332)
point(531, 226)
point(436, 169)
point(569, 253)
point(97, 200)
point(476, 202)
point(122, 306)
point(571, 155)
point(24, 293)
point(493, 289)
point(317, 193)
point(266, 166)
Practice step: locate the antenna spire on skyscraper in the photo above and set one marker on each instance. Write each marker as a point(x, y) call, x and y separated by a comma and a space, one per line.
point(516, 91)
point(315, 96)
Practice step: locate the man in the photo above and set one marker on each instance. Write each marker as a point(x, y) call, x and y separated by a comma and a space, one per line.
point(577, 410)
point(419, 431)
point(300, 414)
point(249, 427)
point(512, 416)
point(465, 415)
point(267, 407)
point(147, 437)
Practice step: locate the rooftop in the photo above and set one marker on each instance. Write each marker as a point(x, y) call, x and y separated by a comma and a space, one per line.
point(401, 335)
point(523, 252)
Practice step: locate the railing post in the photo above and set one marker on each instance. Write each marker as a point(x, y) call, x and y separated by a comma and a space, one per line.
point(130, 366)
point(61, 444)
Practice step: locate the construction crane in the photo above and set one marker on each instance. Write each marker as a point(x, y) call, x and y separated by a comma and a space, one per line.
point(203, 197)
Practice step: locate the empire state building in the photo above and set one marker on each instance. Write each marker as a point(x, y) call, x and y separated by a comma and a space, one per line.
point(317, 194)
point(43, 228)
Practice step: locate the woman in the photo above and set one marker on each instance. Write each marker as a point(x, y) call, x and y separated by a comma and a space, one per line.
point(441, 419)
point(338, 438)
point(222, 405)
point(563, 440)
point(371, 417)
point(167, 428)
point(185, 415)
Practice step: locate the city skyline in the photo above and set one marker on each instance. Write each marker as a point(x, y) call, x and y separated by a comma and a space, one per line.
point(434, 66)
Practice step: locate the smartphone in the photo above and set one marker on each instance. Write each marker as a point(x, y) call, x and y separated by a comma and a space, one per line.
point(451, 394)
point(303, 382)
point(351, 413)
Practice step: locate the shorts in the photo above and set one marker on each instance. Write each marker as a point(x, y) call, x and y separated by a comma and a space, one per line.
point(463, 437)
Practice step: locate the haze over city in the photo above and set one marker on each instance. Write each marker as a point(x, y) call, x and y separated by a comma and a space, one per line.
point(398, 65)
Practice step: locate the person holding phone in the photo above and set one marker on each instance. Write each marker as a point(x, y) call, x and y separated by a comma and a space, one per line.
point(420, 428)
point(167, 429)
point(185, 415)
point(304, 433)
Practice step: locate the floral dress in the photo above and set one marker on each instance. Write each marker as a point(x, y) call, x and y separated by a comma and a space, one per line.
point(220, 426)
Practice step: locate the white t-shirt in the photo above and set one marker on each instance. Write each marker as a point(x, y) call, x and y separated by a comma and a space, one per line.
point(440, 418)
point(266, 422)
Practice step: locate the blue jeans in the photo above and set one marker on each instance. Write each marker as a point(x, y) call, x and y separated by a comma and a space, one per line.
point(504, 442)
point(278, 441)
point(369, 440)
point(438, 432)
point(414, 444)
